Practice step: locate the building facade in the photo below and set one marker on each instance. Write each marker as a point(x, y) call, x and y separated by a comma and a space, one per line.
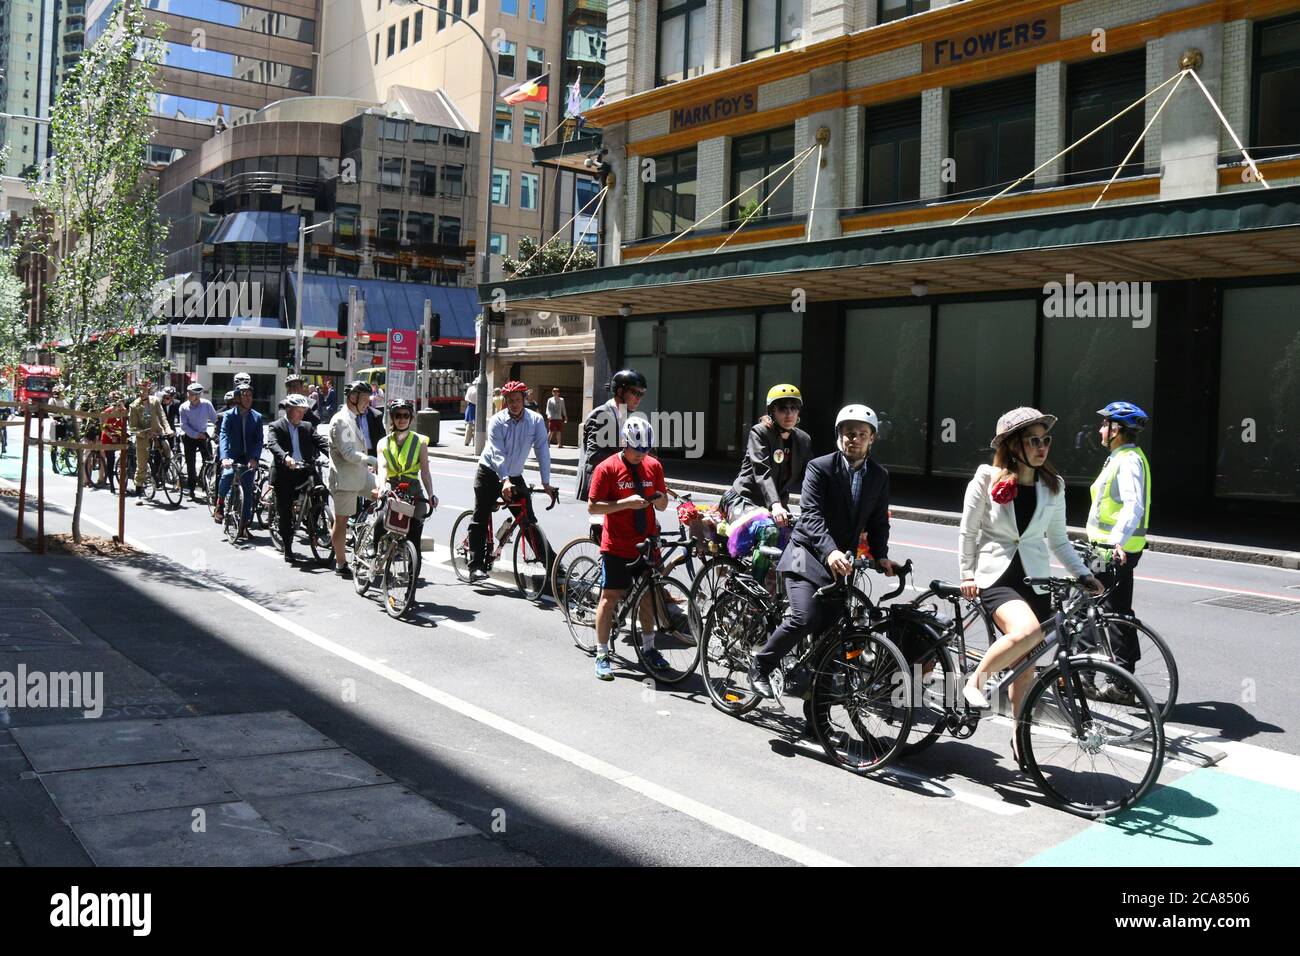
point(875, 200)
point(40, 41)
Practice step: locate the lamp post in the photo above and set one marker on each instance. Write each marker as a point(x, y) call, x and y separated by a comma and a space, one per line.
point(303, 229)
point(479, 432)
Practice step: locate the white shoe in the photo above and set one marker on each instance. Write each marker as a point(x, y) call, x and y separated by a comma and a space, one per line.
point(975, 697)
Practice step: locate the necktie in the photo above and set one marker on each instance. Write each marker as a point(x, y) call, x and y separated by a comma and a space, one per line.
point(640, 519)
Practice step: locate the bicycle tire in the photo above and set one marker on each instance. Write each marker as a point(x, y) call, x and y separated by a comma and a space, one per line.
point(171, 481)
point(151, 478)
point(362, 561)
point(320, 529)
point(581, 596)
point(1157, 672)
point(707, 584)
point(233, 509)
point(1042, 724)
point(934, 694)
point(866, 674)
point(673, 637)
point(273, 524)
point(530, 561)
point(399, 582)
point(735, 627)
point(560, 566)
point(458, 547)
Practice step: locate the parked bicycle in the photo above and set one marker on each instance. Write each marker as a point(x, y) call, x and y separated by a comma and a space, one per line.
point(531, 549)
point(391, 563)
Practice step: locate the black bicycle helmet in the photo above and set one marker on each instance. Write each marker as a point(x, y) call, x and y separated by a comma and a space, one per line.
point(401, 404)
point(627, 377)
point(359, 385)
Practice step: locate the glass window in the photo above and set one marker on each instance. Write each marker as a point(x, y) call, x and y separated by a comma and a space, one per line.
point(991, 135)
point(442, 14)
point(376, 47)
point(893, 154)
point(1277, 77)
point(424, 133)
point(217, 63)
point(395, 130)
point(232, 15)
point(753, 160)
point(419, 227)
point(1096, 90)
point(506, 51)
point(528, 184)
point(406, 32)
point(670, 198)
point(984, 367)
point(771, 26)
point(780, 332)
point(532, 127)
point(639, 337)
point(424, 179)
point(390, 221)
point(454, 137)
point(453, 180)
point(510, 6)
point(390, 175)
point(501, 187)
point(896, 9)
point(887, 366)
point(536, 64)
point(418, 28)
point(537, 10)
point(473, 7)
point(498, 243)
point(502, 129)
point(681, 40)
point(392, 40)
point(1259, 394)
point(710, 335)
point(449, 230)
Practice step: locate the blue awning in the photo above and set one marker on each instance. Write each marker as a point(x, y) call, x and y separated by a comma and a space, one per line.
point(389, 304)
point(280, 228)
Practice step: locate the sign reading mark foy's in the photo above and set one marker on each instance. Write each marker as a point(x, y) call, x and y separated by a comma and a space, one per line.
point(993, 40)
point(727, 106)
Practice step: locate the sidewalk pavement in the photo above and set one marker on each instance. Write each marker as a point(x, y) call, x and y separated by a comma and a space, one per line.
point(713, 478)
point(161, 777)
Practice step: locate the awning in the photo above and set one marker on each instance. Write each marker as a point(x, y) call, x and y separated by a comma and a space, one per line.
point(1252, 232)
point(389, 305)
point(280, 228)
point(570, 154)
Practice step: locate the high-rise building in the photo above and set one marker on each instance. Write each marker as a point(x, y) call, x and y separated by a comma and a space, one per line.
point(30, 67)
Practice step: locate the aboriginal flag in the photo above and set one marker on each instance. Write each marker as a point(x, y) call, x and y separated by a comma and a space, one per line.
point(529, 91)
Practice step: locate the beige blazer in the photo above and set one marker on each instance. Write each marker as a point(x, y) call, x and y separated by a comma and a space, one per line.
point(988, 536)
point(349, 464)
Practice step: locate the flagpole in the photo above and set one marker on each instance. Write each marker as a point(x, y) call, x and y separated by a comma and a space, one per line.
point(546, 118)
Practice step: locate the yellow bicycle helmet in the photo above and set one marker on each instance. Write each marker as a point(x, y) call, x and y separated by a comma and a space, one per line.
point(778, 392)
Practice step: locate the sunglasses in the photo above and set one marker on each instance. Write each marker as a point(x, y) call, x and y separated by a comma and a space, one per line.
point(1039, 441)
point(397, 415)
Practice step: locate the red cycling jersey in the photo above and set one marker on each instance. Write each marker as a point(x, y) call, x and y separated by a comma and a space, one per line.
point(612, 481)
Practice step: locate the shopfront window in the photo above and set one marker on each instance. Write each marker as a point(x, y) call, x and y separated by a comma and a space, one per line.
point(1096, 91)
point(991, 134)
point(893, 152)
point(710, 335)
point(1277, 77)
point(771, 26)
point(887, 367)
point(681, 40)
point(670, 198)
point(984, 367)
point(754, 160)
point(1258, 453)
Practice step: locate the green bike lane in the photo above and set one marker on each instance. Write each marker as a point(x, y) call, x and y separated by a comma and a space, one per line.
point(960, 803)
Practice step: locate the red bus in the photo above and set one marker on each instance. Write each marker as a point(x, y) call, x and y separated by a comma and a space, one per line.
point(34, 382)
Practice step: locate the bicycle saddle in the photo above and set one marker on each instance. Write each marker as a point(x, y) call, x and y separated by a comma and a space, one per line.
point(944, 589)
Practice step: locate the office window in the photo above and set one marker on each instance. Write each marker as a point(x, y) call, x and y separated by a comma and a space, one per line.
point(896, 9)
point(528, 183)
point(456, 8)
point(419, 228)
point(449, 230)
point(991, 135)
point(670, 199)
point(537, 10)
point(390, 175)
point(442, 15)
point(392, 40)
point(501, 128)
point(893, 153)
point(536, 64)
point(680, 50)
point(424, 133)
point(376, 47)
point(390, 223)
point(406, 32)
point(473, 8)
point(501, 187)
point(455, 138)
point(532, 127)
point(424, 179)
point(418, 28)
point(1095, 90)
point(506, 50)
point(395, 130)
point(497, 243)
point(752, 159)
point(1276, 120)
point(453, 181)
point(771, 26)
point(510, 6)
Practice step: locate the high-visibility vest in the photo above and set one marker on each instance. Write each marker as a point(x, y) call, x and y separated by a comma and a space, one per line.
point(1107, 504)
point(404, 462)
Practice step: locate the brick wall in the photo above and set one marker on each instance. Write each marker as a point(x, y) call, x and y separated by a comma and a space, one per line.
point(620, 33)
point(1049, 125)
point(934, 141)
point(1238, 38)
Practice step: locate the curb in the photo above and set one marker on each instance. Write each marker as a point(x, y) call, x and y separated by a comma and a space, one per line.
point(1181, 546)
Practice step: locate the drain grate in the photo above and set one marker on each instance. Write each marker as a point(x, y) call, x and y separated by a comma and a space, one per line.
point(1253, 602)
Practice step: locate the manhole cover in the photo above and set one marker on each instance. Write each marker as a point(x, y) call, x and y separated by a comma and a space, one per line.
point(23, 627)
point(1252, 602)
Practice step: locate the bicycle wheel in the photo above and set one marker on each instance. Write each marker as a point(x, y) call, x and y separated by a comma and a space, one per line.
point(733, 630)
point(861, 700)
point(673, 638)
point(399, 582)
point(574, 549)
point(170, 480)
point(320, 529)
point(459, 546)
point(234, 508)
point(935, 684)
point(1113, 757)
point(363, 563)
point(530, 561)
point(273, 524)
point(707, 585)
point(150, 488)
point(1156, 669)
point(581, 596)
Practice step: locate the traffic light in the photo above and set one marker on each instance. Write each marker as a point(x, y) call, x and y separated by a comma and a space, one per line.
point(435, 327)
point(343, 319)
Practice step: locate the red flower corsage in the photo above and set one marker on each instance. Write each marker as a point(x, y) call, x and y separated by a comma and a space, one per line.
point(1004, 490)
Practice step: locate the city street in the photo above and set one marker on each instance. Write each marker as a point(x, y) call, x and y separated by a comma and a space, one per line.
point(482, 705)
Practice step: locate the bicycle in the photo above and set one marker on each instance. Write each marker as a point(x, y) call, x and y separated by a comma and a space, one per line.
point(394, 559)
point(531, 549)
point(1060, 709)
point(312, 512)
point(716, 568)
point(233, 508)
point(669, 598)
point(164, 473)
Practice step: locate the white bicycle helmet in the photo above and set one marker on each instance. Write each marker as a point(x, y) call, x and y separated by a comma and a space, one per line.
point(638, 434)
point(857, 413)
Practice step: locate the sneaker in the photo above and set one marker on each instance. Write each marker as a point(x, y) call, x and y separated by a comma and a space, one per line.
point(760, 684)
point(654, 659)
point(1114, 694)
point(345, 572)
point(603, 669)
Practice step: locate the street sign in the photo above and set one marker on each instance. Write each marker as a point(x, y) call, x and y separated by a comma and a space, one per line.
point(403, 364)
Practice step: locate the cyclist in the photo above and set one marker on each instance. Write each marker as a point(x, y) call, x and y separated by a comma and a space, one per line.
point(1014, 510)
point(600, 430)
point(511, 433)
point(196, 414)
point(171, 407)
point(227, 402)
point(844, 496)
point(404, 456)
point(352, 466)
point(1118, 520)
point(113, 432)
point(775, 460)
point(624, 487)
point(294, 445)
point(295, 384)
point(147, 421)
point(241, 443)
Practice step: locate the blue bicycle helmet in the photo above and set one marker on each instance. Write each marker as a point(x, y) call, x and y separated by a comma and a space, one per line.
point(1126, 413)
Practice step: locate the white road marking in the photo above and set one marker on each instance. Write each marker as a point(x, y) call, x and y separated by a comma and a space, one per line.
point(173, 534)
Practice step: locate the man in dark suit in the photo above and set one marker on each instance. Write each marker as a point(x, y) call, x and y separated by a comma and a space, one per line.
point(294, 445)
point(844, 495)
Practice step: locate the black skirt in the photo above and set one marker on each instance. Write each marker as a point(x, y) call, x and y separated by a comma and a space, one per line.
point(1011, 586)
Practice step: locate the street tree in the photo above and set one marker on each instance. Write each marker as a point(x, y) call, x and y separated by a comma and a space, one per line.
point(555, 257)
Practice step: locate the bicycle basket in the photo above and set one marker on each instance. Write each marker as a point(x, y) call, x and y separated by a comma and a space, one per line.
point(397, 515)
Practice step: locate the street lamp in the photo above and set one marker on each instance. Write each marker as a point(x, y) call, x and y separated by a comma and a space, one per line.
point(303, 229)
point(480, 407)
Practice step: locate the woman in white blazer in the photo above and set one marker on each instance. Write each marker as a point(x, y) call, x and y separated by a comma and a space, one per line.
point(1014, 510)
point(351, 468)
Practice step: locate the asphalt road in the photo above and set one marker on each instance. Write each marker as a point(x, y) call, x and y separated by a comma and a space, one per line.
point(483, 704)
